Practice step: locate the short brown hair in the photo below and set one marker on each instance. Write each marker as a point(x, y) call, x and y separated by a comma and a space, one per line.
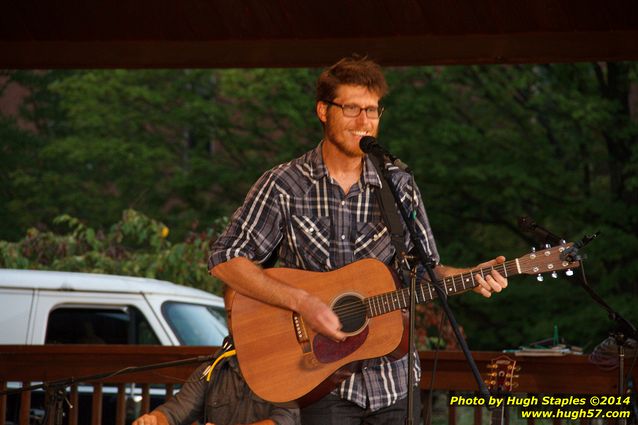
point(355, 71)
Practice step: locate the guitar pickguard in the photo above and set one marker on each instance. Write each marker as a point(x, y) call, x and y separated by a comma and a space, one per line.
point(328, 351)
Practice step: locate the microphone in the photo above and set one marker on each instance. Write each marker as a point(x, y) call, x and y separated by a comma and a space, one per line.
point(369, 145)
point(542, 235)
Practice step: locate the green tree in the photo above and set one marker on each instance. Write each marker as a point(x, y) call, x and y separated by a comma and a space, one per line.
point(180, 145)
point(492, 143)
point(22, 137)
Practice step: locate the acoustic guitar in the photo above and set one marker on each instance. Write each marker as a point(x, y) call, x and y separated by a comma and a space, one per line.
point(283, 360)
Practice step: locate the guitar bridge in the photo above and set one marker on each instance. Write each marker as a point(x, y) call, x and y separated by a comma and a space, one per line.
point(300, 333)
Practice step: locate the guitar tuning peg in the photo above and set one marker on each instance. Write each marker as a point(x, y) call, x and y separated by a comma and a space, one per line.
point(569, 272)
point(533, 249)
point(563, 242)
point(555, 275)
point(547, 245)
point(540, 277)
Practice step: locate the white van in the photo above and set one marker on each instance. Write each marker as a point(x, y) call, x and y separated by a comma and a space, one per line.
point(46, 307)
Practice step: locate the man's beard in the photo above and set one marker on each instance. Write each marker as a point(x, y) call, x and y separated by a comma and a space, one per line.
point(350, 150)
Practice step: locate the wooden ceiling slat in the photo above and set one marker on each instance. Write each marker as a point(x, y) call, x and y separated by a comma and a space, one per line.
point(475, 49)
point(221, 33)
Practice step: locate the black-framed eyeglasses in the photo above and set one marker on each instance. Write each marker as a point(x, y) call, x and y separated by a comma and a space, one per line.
point(353, 111)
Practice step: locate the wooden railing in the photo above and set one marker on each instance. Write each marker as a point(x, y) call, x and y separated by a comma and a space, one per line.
point(27, 364)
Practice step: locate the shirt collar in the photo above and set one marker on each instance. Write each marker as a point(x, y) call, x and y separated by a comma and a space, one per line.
point(319, 170)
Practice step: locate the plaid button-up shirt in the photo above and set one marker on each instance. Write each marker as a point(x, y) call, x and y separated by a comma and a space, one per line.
point(299, 208)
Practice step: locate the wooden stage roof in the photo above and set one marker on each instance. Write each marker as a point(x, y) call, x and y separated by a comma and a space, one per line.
point(290, 33)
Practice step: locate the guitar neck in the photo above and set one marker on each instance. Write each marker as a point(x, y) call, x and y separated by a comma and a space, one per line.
point(395, 300)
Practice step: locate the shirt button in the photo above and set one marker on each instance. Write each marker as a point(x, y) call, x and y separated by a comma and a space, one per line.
point(343, 203)
point(343, 237)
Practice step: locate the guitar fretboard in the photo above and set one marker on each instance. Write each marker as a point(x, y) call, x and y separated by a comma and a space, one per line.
point(395, 300)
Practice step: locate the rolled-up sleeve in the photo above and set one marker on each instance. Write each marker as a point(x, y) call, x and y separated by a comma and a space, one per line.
point(255, 228)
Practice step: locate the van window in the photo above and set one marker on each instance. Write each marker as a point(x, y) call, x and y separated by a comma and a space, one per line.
point(196, 324)
point(86, 325)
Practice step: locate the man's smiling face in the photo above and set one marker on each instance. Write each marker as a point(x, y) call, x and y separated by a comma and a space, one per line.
point(346, 132)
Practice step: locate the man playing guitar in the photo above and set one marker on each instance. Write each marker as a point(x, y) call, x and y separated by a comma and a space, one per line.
point(320, 213)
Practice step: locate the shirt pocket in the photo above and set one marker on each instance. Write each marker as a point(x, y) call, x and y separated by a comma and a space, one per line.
point(373, 241)
point(220, 408)
point(312, 240)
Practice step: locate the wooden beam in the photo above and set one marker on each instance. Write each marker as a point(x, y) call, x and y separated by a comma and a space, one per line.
point(539, 47)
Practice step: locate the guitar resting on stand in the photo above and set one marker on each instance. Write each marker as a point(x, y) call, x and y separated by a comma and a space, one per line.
point(501, 381)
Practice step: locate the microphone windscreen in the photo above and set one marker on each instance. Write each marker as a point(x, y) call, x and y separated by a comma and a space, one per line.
point(366, 143)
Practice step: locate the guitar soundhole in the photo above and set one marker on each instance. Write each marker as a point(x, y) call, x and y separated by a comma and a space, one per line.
point(351, 312)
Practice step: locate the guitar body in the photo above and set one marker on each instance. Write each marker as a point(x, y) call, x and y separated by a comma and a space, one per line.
point(283, 360)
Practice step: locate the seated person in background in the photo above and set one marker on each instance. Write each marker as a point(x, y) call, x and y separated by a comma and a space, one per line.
point(218, 398)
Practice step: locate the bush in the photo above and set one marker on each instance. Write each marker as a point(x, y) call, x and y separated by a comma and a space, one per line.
point(135, 246)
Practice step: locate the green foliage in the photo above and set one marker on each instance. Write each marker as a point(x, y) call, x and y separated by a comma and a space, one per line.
point(487, 143)
point(180, 145)
point(134, 246)
point(492, 143)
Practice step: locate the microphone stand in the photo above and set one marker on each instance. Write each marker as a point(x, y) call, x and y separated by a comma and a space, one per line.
point(56, 394)
point(428, 263)
point(624, 328)
point(624, 331)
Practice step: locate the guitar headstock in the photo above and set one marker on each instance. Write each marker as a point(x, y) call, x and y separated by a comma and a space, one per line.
point(546, 260)
point(502, 375)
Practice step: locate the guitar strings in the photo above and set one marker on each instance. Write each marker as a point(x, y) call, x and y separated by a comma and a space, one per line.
point(357, 308)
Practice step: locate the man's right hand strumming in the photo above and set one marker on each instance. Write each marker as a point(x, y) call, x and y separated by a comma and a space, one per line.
point(320, 317)
point(250, 280)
